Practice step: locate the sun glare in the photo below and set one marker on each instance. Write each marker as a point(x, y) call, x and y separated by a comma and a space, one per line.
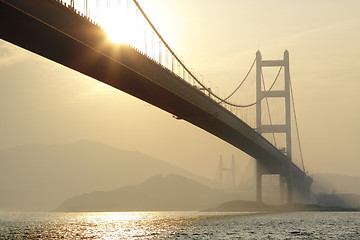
point(115, 35)
point(122, 24)
point(121, 30)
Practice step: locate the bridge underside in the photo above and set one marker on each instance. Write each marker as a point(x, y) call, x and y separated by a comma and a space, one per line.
point(53, 31)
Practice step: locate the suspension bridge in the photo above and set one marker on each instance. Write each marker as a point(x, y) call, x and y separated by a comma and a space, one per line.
point(75, 33)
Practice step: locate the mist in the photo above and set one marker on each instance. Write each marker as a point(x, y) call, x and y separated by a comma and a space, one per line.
point(46, 104)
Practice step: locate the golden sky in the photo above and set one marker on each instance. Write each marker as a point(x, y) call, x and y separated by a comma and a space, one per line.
point(43, 102)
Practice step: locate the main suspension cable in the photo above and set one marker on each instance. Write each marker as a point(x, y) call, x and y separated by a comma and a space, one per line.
point(170, 50)
point(296, 124)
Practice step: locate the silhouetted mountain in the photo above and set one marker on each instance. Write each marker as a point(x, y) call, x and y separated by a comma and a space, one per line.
point(40, 177)
point(336, 183)
point(157, 193)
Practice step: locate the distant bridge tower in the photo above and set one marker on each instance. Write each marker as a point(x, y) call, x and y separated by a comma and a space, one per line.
point(281, 128)
point(222, 169)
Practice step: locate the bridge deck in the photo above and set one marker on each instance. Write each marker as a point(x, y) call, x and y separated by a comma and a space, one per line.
point(53, 31)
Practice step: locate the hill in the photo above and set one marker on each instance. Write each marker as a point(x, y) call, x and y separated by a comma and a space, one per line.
point(39, 177)
point(157, 193)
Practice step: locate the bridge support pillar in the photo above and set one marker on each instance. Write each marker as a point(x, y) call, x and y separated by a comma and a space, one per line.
point(230, 169)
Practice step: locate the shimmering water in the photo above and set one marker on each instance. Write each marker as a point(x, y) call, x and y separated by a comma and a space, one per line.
point(180, 225)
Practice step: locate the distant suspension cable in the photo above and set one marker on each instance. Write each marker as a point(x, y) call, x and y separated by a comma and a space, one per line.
point(265, 95)
point(242, 82)
point(258, 100)
point(297, 128)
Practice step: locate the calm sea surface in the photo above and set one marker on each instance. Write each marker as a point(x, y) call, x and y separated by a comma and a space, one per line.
point(180, 225)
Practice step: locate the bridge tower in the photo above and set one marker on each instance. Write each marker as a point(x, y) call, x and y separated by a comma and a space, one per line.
point(281, 128)
point(230, 169)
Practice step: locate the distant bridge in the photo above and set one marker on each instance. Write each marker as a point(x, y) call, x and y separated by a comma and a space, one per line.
point(57, 30)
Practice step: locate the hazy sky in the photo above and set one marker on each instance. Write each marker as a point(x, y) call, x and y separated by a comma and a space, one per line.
point(43, 102)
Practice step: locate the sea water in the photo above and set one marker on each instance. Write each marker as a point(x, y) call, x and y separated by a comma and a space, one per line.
point(180, 225)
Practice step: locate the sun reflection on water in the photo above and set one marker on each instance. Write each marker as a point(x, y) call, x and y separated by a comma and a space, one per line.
point(122, 225)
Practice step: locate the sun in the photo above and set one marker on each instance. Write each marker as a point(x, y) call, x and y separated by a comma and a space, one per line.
point(121, 31)
point(116, 35)
point(122, 25)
